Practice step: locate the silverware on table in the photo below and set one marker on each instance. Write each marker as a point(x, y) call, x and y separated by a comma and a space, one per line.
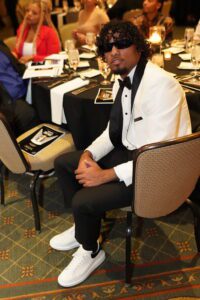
point(85, 88)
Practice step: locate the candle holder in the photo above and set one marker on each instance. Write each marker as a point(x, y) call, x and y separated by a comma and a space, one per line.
point(167, 55)
point(155, 39)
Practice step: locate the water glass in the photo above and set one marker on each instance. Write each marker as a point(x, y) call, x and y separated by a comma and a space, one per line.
point(188, 36)
point(69, 45)
point(73, 57)
point(90, 39)
point(195, 59)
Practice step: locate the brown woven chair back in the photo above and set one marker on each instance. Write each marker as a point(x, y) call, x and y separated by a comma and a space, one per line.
point(165, 174)
point(10, 153)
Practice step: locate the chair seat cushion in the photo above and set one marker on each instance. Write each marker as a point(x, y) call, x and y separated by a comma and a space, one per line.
point(44, 160)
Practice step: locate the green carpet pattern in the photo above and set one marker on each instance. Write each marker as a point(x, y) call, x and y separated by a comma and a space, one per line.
point(165, 256)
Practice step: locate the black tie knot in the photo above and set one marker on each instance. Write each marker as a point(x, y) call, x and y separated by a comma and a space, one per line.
point(125, 83)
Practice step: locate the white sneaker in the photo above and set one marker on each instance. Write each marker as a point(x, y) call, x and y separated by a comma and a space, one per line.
point(65, 240)
point(80, 267)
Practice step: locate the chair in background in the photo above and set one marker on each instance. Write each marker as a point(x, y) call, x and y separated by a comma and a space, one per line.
point(166, 8)
point(132, 14)
point(72, 16)
point(10, 42)
point(165, 175)
point(66, 32)
point(19, 162)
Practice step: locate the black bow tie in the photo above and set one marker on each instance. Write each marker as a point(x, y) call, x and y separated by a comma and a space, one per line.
point(125, 83)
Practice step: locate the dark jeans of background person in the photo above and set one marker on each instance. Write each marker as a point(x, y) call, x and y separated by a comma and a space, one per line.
point(90, 204)
point(11, 10)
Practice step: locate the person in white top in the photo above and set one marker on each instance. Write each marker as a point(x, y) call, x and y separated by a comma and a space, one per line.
point(150, 106)
point(90, 19)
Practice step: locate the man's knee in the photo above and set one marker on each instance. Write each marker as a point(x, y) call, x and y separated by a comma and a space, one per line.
point(68, 160)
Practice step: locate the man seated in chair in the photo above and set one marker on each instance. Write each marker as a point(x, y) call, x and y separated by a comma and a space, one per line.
point(152, 16)
point(150, 106)
point(19, 113)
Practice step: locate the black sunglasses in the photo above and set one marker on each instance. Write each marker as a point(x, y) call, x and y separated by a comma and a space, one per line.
point(120, 44)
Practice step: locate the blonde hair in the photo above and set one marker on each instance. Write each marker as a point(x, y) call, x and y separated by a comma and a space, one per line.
point(45, 18)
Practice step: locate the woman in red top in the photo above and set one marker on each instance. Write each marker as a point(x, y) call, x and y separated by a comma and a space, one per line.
point(35, 40)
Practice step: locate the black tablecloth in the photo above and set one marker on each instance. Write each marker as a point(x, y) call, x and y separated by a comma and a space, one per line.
point(87, 120)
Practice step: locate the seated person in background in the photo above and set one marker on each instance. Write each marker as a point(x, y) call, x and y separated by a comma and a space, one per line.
point(122, 6)
point(35, 40)
point(151, 17)
point(197, 32)
point(100, 178)
point(90, 19)
point(19, 113)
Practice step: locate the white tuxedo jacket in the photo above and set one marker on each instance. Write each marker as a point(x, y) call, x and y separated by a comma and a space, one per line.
point(159, 112)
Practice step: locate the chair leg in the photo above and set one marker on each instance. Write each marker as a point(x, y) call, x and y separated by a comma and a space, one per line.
point(2, 183)
point(40, 192)
point(128, 271)
point(34, 201)
point(196, 213)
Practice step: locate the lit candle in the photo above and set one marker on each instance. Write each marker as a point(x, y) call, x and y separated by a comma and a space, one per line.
point(167, 55)
point(155, 38)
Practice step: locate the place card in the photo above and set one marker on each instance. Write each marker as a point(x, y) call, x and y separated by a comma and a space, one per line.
point(104, 96)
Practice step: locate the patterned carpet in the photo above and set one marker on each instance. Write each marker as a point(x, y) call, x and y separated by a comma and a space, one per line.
point(167, 266)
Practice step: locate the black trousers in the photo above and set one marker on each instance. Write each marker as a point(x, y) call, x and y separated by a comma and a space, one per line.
point(90, 204)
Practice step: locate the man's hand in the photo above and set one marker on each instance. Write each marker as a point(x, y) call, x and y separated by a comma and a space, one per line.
point(90, 174)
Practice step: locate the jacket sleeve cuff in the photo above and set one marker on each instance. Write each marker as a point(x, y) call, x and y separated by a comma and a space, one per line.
point(125, 172)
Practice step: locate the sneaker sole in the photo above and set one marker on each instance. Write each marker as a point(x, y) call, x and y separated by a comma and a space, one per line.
point(64, 248)
point(89, 271)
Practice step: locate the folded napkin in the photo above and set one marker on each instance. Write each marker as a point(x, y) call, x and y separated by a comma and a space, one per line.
point(185, 56)
point(186, 66)
point(174, 50)
point(90, 73)
point(56, 96)
point(62, 55)
point(93, 48)
point(87, 55)
point(178, 43)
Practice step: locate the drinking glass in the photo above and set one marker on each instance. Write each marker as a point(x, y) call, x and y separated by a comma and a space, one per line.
point(188, 37)
point(90, 39)
point(69, 45)
point(73, 57)
point(162, 30)
point(155, 35)
point(105, 71)
point(195, 60)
